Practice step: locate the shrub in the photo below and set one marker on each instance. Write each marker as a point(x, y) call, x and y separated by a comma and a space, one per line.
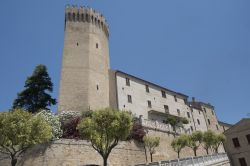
point(53, 121)
point(67, 115)
point(137, 132)
point(69, 128)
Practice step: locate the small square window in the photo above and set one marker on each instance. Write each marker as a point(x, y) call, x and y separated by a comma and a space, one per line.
point(178, 112)
point(175, 98)
point(147, 88)
point(166, 108)
point(129, 98)
point(127, 82)
point(191, 127)
point(205, 110)
point(248, 138)
point(96, 45)
point(236, 142)
point(242, 161)
point(163, 94)
point(198, 121)
point(188, 114)
point(149, 104)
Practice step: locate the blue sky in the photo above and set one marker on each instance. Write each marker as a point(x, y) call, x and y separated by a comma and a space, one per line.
point(199, 48)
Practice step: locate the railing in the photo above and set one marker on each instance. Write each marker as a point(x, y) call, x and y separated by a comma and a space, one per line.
point(192, 161)
point(161, 126)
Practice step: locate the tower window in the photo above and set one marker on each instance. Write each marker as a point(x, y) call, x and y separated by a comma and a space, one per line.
point(147, 88)
point(96, 45)
point(242, 161)
point(77, 43)
point(208, 120)
point(149, 104)
point(236, 142)
point(127, 82)
point(248, 138)
point(188, 114)
point(163, 94)
point(198, 121)
point(97, 87)
point(129, 99)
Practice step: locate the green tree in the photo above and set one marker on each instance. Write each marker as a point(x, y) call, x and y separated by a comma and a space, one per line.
point(20, 130)
point(104, 129)
point(218, 140)
point(36, 95)
point(194, 141)
point(208, 140)
point(175, 122)
point(179, 143)
point(151, 143)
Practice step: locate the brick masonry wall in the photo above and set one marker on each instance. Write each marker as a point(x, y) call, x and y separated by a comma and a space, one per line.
point(65, 152)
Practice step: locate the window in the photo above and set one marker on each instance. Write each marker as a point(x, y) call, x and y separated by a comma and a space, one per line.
point(248, 138)
point(97, 87)
point(96, 45)
point(199, 112)
point(178, 112)
point(175, 98)
point(198, 121)
point(191, 127)
point(127, 82)
point(166, 108)
point(188, 114)
point(163, 94)
point(129, 98)
point(147, 88)
point(217, 127)
point(212, 112)
point(205, 110)
point(236, 142)
point(208, 120)
point(149, 104)
point(242, 161)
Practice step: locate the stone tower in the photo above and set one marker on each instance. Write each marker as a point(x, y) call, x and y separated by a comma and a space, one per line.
point(84, 83)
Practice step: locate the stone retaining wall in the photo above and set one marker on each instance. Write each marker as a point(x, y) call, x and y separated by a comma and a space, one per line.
point(65, 152)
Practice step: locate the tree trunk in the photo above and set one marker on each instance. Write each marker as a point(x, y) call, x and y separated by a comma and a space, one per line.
point(178, 154)
point(151, 157)
point(13, 161)
point(145, 151)
point(195, 152)
point(207, 151)
point(105, 161)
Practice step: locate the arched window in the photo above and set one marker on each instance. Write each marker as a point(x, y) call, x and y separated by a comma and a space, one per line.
point(87, 17)
point(78, 17)
point(69, 16)
point(92, 19)
point(83, 17)
point(74, 16)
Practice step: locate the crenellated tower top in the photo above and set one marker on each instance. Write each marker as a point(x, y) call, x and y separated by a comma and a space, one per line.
point(85, 14)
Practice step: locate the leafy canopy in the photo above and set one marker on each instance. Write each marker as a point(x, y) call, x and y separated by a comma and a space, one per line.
point(104, 128)
point(179, 143)
point(151, 143)
point(36, 95)
point(20, 130)
point(195, 140)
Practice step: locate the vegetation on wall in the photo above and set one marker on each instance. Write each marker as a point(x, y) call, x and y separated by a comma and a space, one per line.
point(104, 129)
point(175, 122)
point(20, 130)
point(36, 95)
